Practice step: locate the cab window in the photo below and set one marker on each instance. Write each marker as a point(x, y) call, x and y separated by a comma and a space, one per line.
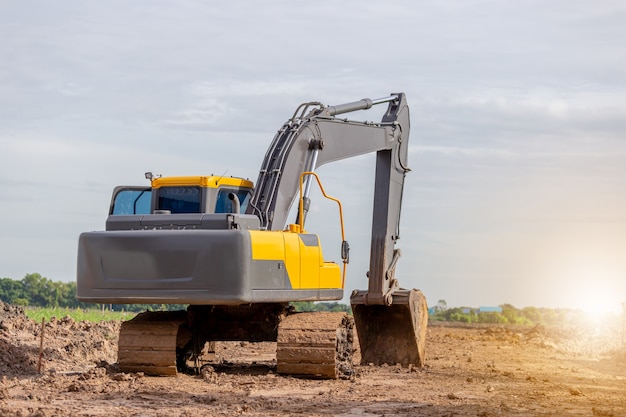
point(179, 199)
point(224, 205)
point(131, 201)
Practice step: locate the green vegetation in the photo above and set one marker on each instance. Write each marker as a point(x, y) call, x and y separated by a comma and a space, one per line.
point(37, 291)
point(508, 315)
point(78, 314)
point(312, 306)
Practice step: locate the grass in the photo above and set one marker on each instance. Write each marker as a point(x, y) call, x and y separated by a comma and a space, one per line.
point(78, 314)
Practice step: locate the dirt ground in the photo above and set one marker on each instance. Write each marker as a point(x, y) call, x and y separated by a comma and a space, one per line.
point(470, 371)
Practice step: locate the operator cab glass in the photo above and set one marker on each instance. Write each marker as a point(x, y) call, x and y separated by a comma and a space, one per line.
point(179, 199)
point(223, 203)
point(131, 200)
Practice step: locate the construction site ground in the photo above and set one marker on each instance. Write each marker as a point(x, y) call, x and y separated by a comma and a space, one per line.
point(470, 371)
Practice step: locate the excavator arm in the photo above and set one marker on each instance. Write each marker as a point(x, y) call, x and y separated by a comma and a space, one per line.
point(391, 322)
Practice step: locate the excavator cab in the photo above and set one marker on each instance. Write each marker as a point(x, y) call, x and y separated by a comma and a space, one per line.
point(183, 195)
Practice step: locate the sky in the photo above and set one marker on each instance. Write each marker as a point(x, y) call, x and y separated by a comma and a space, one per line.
point(517, 192)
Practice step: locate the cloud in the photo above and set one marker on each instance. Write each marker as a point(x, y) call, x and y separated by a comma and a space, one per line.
point(37, 148)
point(470, 152)
point(204, 114)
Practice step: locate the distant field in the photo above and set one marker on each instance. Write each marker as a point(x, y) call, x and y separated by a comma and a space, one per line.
point(37, 314)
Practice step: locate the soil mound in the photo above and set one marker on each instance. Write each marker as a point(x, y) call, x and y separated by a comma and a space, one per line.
point(68, 346)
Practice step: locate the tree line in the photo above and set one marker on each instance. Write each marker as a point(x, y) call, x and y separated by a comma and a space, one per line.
point(508, 315)
point(35, 290)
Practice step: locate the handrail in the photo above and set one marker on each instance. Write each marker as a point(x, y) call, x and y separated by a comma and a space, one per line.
point(301, 219)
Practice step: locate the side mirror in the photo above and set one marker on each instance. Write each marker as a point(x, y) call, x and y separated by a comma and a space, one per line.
point(345, 251)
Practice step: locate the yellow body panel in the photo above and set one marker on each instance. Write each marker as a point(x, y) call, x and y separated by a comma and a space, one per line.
point(305, 264)
point(292, 258)
point(330, 276)
point(210, 181)
point(267, 245)
point(310, 262)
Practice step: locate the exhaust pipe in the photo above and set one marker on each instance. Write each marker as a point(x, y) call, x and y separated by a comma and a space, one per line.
point(234, 202)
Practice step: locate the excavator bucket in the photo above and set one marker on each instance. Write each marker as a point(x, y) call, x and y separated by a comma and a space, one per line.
point(393, 334)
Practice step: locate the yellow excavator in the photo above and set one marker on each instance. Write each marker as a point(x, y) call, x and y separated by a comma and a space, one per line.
point(225, 248)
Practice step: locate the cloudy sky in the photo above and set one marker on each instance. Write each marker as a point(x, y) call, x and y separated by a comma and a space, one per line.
point(518, 128)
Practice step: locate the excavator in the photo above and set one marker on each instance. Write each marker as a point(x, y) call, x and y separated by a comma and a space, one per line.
point(224, 247)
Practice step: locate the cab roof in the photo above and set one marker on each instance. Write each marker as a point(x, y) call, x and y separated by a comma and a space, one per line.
point(210, 181)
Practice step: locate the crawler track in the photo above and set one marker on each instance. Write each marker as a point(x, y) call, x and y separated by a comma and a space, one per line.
point(148, 343)
point(316, 345)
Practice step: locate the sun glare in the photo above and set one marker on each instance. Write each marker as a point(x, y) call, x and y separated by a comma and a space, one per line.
point(592, 285)
point(581, 266)
point(596, 297)
point(600, 304)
